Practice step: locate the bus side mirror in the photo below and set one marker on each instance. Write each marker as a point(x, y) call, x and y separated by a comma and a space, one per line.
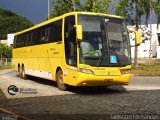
point(137, 36)
point(79, 33)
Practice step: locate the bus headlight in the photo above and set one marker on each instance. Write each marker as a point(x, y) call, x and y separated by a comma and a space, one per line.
point(88, 71)
point(127, 71)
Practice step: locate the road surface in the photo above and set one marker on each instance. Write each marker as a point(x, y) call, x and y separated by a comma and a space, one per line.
point(41, 99)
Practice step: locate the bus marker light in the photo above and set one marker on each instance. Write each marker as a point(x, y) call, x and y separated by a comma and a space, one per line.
point(65, 72)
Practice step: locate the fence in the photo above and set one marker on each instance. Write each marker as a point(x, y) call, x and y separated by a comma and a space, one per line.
point(5, 62)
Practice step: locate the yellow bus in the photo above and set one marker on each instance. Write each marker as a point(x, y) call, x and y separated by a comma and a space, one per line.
point(76, 49)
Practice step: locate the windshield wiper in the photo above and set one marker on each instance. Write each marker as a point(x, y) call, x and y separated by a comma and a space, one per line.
point(100, 59)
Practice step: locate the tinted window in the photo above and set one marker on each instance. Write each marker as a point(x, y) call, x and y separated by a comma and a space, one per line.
point(48, 33)
point(20, 41)
point(56, 31)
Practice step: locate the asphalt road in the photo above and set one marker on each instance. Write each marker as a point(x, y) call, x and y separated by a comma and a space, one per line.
point(139, 100)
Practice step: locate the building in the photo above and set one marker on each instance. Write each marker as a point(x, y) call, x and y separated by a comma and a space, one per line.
point(10, 38)
point(3, 42)
point(9, 41)
point(143, 49)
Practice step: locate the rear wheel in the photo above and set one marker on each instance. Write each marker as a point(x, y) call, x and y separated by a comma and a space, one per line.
point(23, 74)
point(19, 71)
point(60, 82)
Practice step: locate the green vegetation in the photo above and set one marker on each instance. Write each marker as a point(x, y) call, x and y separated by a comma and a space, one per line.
point(11, 23)
point(5, 51)
point(64, 6)
point(5, 56)
point(133, 10)
point(148, 70)
point(5, 67)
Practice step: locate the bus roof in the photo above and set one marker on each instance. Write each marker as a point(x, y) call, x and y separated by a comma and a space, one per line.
point(64, 15)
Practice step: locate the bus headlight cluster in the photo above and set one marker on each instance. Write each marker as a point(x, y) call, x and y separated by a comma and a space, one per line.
point(88, 71)
point(126, 71)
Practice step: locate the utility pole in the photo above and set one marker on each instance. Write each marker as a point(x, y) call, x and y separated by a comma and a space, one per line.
point(48, 9)
point(150, 47)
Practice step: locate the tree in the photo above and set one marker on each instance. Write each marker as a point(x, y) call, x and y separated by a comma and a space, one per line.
point(133, 10)
point(99, 6)
point(156, 6)
point(6, 51)
point(64, 6)
point(11, 23)
point(149, 6)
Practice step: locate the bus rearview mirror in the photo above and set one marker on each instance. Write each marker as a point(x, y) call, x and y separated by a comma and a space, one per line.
point(79, 33)
point(137, 36)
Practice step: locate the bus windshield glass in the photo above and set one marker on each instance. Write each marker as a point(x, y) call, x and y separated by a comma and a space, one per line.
point(105, 41)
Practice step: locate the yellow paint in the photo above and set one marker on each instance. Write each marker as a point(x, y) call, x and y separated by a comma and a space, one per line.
point(43, 58)
point(79, 32)
point(138, 37)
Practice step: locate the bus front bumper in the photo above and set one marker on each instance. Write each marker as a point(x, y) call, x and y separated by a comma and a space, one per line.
point(94, 80)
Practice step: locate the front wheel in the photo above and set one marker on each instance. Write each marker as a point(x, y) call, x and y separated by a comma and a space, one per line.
point(60, 82)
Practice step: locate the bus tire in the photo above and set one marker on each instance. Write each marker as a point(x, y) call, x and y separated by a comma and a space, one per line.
point(23, 74)
point(19, 71)
point(59, 80)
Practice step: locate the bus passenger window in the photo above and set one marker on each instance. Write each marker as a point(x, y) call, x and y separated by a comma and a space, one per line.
point(42, 34)
point(55, 34)
point(28, 39)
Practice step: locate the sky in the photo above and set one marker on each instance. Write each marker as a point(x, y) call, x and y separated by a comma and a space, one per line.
point(34, 10)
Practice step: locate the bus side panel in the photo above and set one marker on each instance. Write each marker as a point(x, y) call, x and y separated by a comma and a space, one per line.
point(56, 57)
point(37, 62)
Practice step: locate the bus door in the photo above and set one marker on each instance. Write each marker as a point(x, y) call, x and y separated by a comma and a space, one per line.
point(70, 49)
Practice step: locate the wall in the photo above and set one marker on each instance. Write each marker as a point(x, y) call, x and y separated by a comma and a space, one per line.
point(10, 38)
point(143, 49)
point(3, 41)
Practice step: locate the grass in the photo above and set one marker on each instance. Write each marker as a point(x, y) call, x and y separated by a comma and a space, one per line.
point(146, 70)
point(5, 67)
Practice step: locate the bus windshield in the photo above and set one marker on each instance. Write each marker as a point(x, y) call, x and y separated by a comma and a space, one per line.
point(105, 41)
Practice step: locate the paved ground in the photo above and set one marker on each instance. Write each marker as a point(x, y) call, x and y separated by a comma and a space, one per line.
point(138, 99)
point(43, 87)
